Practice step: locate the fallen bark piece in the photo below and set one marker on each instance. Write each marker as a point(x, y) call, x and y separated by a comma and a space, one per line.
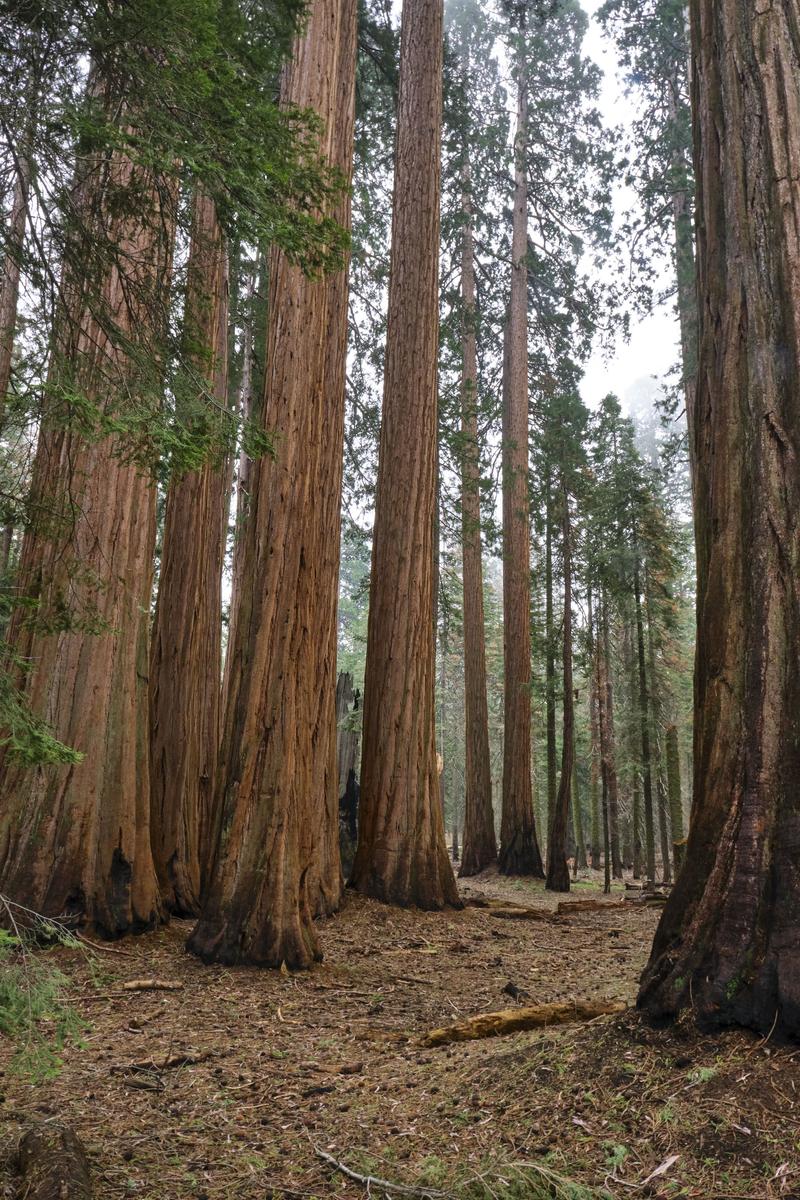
point(54, 1166)
point(515, 1020)
point(575, 906)
point(523, 914)
point(152, 985)
point(186, 1059)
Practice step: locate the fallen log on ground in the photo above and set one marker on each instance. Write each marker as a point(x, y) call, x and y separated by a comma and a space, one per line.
point(523, 914)
point(54, 1166)
point(185, 1059)
point(516, 1020)
point(152, 985)
point(575, 906)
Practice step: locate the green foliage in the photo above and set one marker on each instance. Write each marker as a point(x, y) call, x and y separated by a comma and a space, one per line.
point(34, 1014)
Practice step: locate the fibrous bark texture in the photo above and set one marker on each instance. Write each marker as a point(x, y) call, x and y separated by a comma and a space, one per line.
point(729, 941)
point(519, 848)
point(76, 838)
point(402, 857)
point(479, 843)
point(10, 276)
point(186, 651)
point(276, 836)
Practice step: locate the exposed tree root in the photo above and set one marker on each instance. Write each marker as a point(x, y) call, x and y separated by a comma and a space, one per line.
point(514, 1020)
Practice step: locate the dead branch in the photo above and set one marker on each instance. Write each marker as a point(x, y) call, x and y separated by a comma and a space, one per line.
point(515, 1020)
point(186, 1059)
point(370, 1181)
point(152, 985)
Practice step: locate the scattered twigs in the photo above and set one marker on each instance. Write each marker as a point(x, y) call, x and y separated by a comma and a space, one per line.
point(373, 1181)
point(516, 1020)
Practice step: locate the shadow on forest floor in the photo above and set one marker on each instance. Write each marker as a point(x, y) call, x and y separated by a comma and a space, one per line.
point(331, 1060)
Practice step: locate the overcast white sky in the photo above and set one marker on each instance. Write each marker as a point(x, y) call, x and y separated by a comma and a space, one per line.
point(653, 345)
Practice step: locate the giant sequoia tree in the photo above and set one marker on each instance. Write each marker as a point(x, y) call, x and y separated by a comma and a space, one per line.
point(401, 855)
point(276, 834)
point(186, 653)
point(728, 944)
point(519, 849)
point(75, 838)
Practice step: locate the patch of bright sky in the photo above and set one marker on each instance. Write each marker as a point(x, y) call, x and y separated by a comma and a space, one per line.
point(652, 348)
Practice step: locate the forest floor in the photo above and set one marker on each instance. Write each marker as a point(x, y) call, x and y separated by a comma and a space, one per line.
point(332, 1061)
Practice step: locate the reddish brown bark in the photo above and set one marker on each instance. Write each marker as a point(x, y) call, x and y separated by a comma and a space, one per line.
point(728, 944)
point(277, 859)
point(402, 857)
point(519, 849)
point(76, 838)
point(185, 654)
point(479, 841)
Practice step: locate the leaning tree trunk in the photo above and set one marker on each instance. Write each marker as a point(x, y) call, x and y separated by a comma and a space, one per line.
point(728, 944)
point(186, 649)
point(519, 849)
point(479, 843)
point(557, 869)
point(276, 836)
point(75, 838)
point(402, 857)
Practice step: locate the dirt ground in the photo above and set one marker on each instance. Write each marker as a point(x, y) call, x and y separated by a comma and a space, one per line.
point(293, 1066)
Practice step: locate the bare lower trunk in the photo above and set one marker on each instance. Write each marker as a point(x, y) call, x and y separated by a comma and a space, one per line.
point(519, 849)
point(402, 856)
point(10, 277)
point(607, 747)
point(647, 774)
point(76, 838)
point(276, 858)
point(728, 944)
point(557, 869)
point(186, 650)
point(480, 845)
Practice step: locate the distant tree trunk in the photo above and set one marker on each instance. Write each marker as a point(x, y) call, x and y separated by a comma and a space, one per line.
point(634, 734)
point(348, 742)
point(75, 839)
point(550, 670)
point(10, 278)
point(577, 820)
point(728, 942)
point(647, 775)
point(402, 856)
point(674, 792)
point(480, 845)
point(519, 849)
point(186, 650)
point(276, 839)
point(683, 231)
point(557, 869)
point(594, 734)
point(606, 693)
point(456, 853)
point(658, 757)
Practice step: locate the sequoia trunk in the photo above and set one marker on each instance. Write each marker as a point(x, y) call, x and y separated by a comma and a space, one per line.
point(519, 849)
point(402, 857)
point(75, 838)
point(276, 836)
point(186, 650)
point(479, 842)
point(728, 944)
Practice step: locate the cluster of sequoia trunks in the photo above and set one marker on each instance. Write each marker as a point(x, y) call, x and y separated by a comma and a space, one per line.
point(224, 802)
